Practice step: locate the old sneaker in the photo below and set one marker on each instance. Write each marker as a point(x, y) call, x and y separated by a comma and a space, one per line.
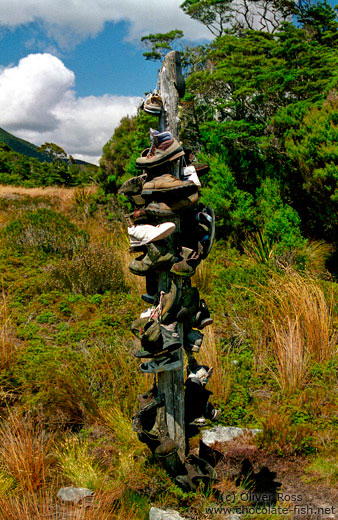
point(188, 264)
point(161, 364)
point(133, 186)
point(166, 183)
point(203, 318)
point(157, 257)
point(163, 148)
point(193, 341)
point(145, 233)
point(153, 103)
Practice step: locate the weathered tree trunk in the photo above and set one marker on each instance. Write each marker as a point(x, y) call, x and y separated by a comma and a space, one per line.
point(170, 384)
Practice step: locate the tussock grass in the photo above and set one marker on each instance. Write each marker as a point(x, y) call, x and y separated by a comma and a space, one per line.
point(9, 344)
point(25, 451)
point(300, 326)
point(43, 505)
point(220, 381)
point(78, 464)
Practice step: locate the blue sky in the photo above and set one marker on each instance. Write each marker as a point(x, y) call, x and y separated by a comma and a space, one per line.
point(71, 69)
point(103, 64)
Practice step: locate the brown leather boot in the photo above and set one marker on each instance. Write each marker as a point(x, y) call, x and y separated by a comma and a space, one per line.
point(166, 183)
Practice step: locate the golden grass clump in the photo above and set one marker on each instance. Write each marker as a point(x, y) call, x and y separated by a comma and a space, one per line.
point(220, 381)
point(9, 344)
point(299, 327)
point(25, 451)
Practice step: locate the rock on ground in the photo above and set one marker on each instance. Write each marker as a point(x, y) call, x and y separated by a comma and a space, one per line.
point(164, 514)
point(225, 434)
point(74, 495)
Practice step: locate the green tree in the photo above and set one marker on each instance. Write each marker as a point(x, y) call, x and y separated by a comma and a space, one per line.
point(160, 44)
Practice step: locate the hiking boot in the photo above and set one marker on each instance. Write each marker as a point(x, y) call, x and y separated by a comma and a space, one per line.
point(169, 341)
point(185, 203)
point(161, 364)
point(145, 233)
point(163, 148)
point(169, 302)
point(193, 341)
point(187, 266)
point(189, 304)
point(158, 209)
point(166, 183)
point(157, 257)
point(167, 447)
point(153, 103)
point(148, 331)
point(132, 186)
point(199, 373)
point(203, 318)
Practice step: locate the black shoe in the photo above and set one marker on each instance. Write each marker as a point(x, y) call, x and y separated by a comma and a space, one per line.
point(203, 318)
point(147, 298)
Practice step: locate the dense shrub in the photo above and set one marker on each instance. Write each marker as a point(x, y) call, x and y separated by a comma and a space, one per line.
point(92, 270)
point(45, 230)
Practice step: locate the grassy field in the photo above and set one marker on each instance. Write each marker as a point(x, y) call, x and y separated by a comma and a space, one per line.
point(69, 381)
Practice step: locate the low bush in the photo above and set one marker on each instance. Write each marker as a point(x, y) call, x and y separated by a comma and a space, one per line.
point(45, 230)
point(92, 270)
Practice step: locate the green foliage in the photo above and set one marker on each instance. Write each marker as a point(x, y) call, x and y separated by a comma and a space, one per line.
point(44, 230)
point(313, 145)
point(21, 146)
point(160, 43)
point(22, 170)
point(214, 14)
point(130, 138)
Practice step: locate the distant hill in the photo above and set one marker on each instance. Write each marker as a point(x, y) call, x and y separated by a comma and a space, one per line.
point(26, 148)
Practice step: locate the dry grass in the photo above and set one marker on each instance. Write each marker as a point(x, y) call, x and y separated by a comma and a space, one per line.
point(44, 506)
point(9, 344)
point(66, 196)
point(220, 381)
point(299, 327)
point(25, 451)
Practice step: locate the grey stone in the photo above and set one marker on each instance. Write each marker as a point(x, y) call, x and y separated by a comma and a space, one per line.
point(225, 434)
point(164, 514)
point(73, 494)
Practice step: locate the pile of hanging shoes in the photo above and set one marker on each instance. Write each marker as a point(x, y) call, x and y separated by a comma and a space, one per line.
point(171, 231)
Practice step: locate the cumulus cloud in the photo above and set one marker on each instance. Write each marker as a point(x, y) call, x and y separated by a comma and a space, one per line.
point(74, 18)
point(38, 103)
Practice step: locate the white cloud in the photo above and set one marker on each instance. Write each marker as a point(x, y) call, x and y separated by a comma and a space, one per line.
point(37, 103)
point(75, 19)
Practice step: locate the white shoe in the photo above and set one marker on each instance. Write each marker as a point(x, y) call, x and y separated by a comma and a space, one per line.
point(144, 233)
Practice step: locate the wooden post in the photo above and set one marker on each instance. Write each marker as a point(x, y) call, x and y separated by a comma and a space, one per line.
point(170, 384)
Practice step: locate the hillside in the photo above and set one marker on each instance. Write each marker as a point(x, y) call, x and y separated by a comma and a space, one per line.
point(28, 149)
point(21, 146)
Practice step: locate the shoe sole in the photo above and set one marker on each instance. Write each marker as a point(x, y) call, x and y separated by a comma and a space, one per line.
point(164, 234)
point(155, 370)
point(170, 157)
point(153, 111)
point(148, 300)
point(155, 355)
point(164, 212)
point(164, 190)
point(160, 267)
point(194, 348)
point(205, 323)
